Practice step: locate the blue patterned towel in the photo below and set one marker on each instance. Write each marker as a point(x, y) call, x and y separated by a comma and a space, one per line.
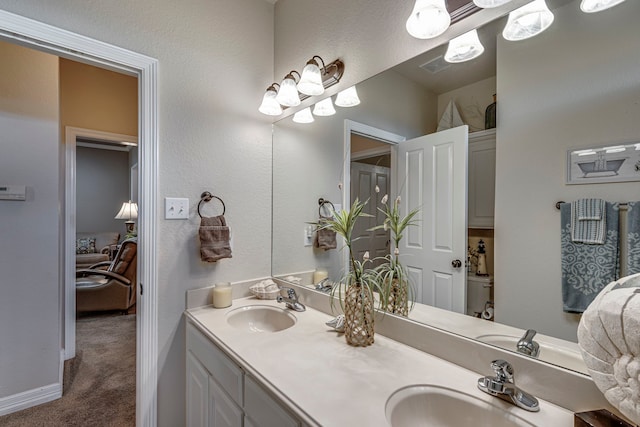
point(586, 268)
point(588, 224)
point(633, 237)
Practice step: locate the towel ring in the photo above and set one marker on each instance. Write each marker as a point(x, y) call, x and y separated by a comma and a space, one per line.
point(323, 202)
point(206, 197)
point(558, 204)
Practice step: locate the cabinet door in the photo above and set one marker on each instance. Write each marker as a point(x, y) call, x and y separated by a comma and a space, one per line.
point(482, 182)
point(223, 412)
point(262, 409)
point(197, 393)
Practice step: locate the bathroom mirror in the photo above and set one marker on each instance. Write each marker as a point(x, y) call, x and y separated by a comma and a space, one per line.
point(575, 85)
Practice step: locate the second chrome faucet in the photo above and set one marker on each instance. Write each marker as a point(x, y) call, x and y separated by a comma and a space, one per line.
point(503, 386)
point(291, 300)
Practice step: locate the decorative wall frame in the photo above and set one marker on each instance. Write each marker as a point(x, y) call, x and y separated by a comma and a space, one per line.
point(604, 163)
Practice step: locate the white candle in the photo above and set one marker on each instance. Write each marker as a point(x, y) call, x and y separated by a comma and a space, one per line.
point(319, 274)
point(222, 295)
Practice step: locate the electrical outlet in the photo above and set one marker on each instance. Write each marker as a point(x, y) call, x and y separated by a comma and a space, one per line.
point(176, 208)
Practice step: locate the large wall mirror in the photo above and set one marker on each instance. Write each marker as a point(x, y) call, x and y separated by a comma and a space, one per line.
point(575, 85)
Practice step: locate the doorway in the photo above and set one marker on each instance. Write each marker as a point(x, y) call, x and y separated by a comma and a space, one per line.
point(39, 36)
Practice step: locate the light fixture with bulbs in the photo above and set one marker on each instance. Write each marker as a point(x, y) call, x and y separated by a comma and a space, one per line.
point(592, 6)
point(487, 4)
point(269, 105)
point(324, 108)
point(429, 19)
point(311, 80)
point(464, 48)
point(348, 98)
point(288, 93)
point(303, 116)
point(528, 21)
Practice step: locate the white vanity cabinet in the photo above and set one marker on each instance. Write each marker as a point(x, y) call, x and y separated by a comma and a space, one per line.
point(482, 178)
point(219, 394)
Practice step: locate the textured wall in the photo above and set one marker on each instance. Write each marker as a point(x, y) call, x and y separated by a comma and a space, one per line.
point(572, 86)
point(210, 138)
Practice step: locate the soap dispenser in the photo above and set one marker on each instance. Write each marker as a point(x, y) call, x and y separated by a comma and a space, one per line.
point(482, 260)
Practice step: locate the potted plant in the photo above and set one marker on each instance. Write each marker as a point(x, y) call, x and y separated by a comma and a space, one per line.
point(396, 293)
point(356, 289)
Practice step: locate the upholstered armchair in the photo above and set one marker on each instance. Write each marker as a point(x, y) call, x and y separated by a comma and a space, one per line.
point(93, 247)
point(109, 285)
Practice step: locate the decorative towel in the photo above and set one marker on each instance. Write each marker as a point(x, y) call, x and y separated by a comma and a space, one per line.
point(214, 238)
point(587, 268)
point(325, 238)
point(588, 224)
point(633, 237)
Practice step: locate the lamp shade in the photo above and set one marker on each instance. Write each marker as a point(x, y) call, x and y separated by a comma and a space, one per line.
point(128, 211)
point(303, 116)
point(311, 79)
point(348, 98)
point(269, 105)
point(288, 93)
point(428, 19)
point(591, 6)
point(464, 48)
point(487, 4)
point(324, 108)
point(528, 21)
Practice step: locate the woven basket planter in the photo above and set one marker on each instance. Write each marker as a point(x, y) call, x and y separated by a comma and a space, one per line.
point(398, 299)
point(359, 315)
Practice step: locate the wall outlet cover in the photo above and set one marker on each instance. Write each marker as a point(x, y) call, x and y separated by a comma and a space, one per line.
point(176, 208)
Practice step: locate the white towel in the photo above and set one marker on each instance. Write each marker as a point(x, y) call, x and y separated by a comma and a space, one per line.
point(588, 221)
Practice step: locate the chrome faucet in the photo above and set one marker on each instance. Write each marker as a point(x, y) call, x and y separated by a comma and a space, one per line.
point(291, 300)
point(503, 386)
point(325, 285)
point(527, 345)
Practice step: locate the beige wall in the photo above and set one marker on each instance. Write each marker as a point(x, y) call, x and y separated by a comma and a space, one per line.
point(97, 99)
point(209, 140)
point(575, 85)
point(471, 100)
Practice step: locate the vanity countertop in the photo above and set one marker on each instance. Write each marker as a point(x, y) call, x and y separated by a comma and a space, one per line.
point(327, 382)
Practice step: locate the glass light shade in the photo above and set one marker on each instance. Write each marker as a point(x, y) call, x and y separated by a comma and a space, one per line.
point(429, 19)
point(324, 108)
point(303, 116)
point(487, 4)
point(528, 21)
point(348, 98)
point(128, 211)
point(269, 105)
point(464, 48)
point(288, 93)
point(311, 80)
point(591, 6)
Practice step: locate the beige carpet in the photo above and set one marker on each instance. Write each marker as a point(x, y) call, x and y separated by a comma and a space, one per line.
point(99, 382)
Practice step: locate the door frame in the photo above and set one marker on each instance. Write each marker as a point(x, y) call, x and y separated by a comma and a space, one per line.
point(47, 38)
point(381, 135)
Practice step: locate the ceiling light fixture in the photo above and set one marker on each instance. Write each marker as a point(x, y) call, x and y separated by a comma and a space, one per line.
point(528, 21)
point(592, 6)
point(487, 4)
point(303, 116)
point(464, 48)
point(324, 108)
point(428, 19)
point(269, 105)
point(348, 98)
point(288, 93)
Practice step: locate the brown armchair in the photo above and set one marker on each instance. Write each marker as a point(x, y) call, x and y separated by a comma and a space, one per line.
point(109, 285)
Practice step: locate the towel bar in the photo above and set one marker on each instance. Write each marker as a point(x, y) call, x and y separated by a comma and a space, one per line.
point(621, 204)
point(206, 197)
point(321, 203)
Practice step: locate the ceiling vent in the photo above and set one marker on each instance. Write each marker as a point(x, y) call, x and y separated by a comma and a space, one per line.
point(436, 65)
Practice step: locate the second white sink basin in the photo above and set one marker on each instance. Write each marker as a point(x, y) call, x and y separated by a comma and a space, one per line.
point(260, 318)
point(436, 406)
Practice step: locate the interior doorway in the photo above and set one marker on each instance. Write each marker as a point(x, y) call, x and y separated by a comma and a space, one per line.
point(39, 36)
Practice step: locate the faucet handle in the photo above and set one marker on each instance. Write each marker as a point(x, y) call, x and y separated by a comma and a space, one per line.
point(503, 370)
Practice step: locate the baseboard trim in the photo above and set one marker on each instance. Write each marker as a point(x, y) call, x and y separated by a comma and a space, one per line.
point(29, 398)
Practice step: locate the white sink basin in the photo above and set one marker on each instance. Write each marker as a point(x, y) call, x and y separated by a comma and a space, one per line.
point(260, 318)
point(436, 406)
point(566, 357)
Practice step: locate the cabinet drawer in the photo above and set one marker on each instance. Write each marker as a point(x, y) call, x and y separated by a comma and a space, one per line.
point(262, 410)
point(223, 370)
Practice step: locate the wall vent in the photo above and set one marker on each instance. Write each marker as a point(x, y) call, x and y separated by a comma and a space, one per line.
point(436, 65)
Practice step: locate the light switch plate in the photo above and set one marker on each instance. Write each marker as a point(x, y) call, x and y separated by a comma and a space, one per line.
point(176, 208)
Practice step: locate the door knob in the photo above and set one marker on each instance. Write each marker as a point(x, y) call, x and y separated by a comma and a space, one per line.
point(456, 263)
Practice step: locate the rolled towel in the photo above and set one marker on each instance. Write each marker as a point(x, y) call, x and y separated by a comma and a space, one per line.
point(214, 239)
point(588, 221)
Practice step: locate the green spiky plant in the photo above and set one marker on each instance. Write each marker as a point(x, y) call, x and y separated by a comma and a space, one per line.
point(396, 292)
point(356, 289)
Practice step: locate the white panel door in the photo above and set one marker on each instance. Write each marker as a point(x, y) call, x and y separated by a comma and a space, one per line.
point(432, 175)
